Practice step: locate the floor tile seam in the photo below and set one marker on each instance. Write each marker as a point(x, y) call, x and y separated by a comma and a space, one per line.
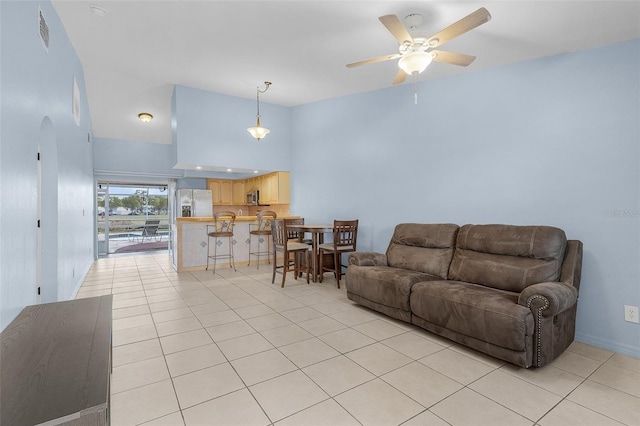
point(593, 358)
point(432, 413)
point(582, 380)
point(586, 407)
point(272, 421)
point(379, 376)
point(603, 365)
point(321, 402)
point(530, 383)
point(562, 398)
point(145, 359)
point(607, 386)
point(145, 384)
point(496, 402)
point(353, 415)
point(413, 399)
point(136, 341)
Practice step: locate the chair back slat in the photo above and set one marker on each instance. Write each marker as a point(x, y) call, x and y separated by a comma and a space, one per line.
point(294, 235)
point(278, 232)
point(345, 233)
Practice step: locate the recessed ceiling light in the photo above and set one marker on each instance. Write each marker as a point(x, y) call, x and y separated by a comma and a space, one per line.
point(145, 117)
point(229, 170)
point(97, 10)
point(255, 171)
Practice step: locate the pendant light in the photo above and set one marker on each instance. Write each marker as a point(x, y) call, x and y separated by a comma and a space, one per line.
point(259, 132)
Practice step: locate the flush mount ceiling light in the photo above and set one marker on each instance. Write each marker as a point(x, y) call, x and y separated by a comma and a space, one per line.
point(259, 132)
point(145, 117)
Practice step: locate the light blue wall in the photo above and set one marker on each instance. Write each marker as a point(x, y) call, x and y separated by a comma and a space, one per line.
point(36, 89)
point(112, 156)
point(553, 141)
point(211, 129)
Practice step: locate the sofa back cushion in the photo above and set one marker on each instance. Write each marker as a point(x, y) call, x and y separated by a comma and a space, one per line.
point(423, 247)
point(508, 257)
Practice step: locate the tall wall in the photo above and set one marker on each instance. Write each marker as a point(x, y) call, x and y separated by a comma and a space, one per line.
point(211, 129)
point(553, 141)
point(36, 114)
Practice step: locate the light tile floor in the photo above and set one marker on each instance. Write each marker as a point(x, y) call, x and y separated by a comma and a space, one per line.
point(233, 349)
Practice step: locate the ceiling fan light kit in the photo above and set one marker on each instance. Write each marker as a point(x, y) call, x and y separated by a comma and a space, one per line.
point(259, 132)
point(416, 53)
point(414, 63)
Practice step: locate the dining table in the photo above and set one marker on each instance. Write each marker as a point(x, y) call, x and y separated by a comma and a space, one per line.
point(317, 232)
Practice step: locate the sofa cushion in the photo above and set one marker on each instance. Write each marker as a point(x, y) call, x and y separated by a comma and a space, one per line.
point(384, 285)
point(508, 257)
point(425, 248)
point(473, 310)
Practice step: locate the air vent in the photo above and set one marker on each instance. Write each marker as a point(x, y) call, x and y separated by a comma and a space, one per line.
point(44, 30)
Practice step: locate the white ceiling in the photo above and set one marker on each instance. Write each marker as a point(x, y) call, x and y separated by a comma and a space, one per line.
point(134, 54)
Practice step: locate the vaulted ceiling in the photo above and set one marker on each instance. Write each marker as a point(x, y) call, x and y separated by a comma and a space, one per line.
point(134, 54)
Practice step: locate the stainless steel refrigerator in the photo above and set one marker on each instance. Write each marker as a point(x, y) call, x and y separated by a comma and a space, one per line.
point(194, 203)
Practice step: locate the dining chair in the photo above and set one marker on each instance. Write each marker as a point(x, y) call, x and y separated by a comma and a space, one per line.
point(288, 247)
point(222, 227)
point(261, 230)
point(345, 233)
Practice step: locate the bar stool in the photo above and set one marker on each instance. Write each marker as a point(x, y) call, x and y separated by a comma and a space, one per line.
point(261, 229)
point(222, 228)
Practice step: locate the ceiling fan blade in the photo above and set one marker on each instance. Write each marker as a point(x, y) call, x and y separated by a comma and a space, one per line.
point(395, 27)
point(460, 27)
point(400, 77)
point(452, 58)
point(374, 60)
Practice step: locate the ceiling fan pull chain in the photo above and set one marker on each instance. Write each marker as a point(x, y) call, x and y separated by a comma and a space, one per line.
point(415, 90)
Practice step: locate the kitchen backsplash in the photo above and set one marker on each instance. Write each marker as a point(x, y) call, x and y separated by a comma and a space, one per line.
point(280, 209)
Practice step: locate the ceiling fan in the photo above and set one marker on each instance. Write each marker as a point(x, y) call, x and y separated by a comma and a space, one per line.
point(416, 53)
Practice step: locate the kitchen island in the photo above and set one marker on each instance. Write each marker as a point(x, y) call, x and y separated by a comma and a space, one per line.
point(191, 242)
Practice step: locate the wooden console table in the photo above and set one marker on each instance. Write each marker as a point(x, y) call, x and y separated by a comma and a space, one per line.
point(55, 364)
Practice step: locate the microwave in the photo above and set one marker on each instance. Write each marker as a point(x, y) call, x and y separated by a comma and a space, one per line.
point(253, 198)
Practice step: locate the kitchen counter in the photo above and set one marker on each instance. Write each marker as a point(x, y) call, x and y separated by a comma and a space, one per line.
point(191, 242)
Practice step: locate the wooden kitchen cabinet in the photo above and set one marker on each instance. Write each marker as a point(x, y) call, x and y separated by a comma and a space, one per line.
point(221, 191)
point(274, 189)
point(239, 193)
point(214, 186)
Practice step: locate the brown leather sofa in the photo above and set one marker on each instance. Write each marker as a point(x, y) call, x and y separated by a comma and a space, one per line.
point(508, 291)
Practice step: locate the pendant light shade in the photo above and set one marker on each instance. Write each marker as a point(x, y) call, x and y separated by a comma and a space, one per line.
point(415, 63)
point(259, 132)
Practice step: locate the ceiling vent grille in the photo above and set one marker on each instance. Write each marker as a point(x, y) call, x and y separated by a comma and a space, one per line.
point(44, 30)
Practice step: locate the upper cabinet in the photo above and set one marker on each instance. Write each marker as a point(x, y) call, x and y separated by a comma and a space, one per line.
point(274, 189)
point(239, 196)
point(221, 191)
point(277, 186)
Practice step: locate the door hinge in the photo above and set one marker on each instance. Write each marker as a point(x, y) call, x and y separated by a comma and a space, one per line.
point(38, 223)
point(38, 291)
point(38, 156)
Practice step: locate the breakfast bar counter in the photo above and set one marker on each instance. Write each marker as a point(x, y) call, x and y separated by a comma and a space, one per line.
point(191, 242)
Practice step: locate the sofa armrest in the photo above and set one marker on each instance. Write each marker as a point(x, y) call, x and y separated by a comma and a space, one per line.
point(549, 298)
point(362, 258)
